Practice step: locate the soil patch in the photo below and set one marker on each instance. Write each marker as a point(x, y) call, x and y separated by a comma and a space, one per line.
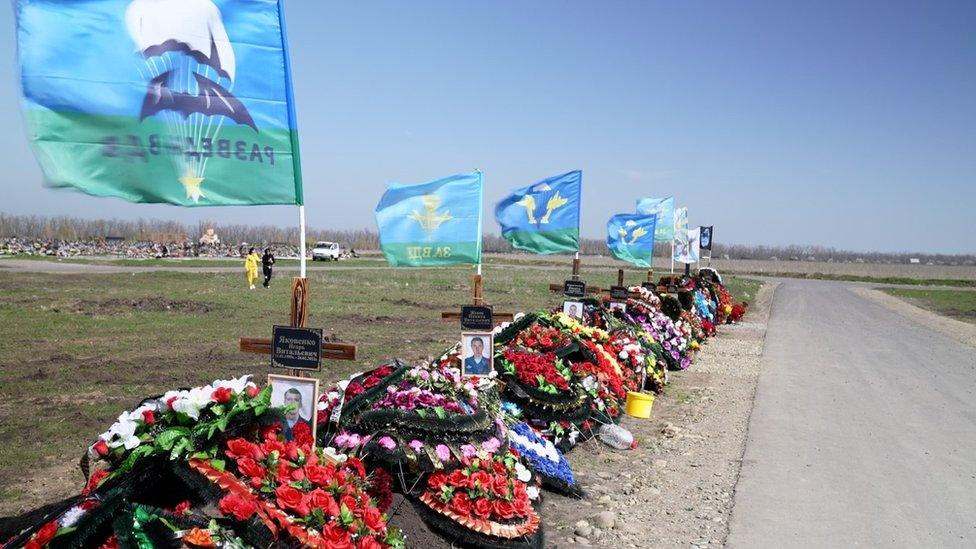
point(141, 304)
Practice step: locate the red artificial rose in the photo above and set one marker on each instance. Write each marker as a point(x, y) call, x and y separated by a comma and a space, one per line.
point(298, 474)
point(101, 448)
point(252, 391)
point(233, 505)
point(222, 395)
point(302, 434)
point(349, 502)
point(369, 542)
point(93, 482)
point(499, 486)
point(291, 498)
point(320, 499)
point(257, 482)
point(337, 537)
point(149, 417)
point(479, 478)
point(283, 471)
point(460, 504)
point(522, 507)
point(457, 479)
point(273, 445)
point(504, 509)
point(182, 508)
point(373, 519)
point(238, 448)
point(320, 475)
point(436, 480)
point(354, 389)
point(499, 467)
point(291, 449)
point(482, 507)
point(355, 464)
point(250, 468)
point(170, 401)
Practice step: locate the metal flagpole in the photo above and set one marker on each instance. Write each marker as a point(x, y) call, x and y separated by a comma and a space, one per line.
point(301, 239)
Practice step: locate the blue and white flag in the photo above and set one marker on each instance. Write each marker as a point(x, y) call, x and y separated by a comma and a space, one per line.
point(435, 223)
point(664, 208)
point(543, 218)
point(187, 102)
point(630, 237)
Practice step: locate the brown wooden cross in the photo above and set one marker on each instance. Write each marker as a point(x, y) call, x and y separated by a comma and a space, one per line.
point(477, 298)
point(298, 318)
point(558, 288)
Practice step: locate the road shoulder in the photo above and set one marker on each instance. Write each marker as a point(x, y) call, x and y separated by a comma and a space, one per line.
point(958, 330)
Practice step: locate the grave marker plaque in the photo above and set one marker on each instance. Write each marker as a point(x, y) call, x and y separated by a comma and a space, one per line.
point(296, 348)
point(477, 318)
point(574, 288)
point(619, 293)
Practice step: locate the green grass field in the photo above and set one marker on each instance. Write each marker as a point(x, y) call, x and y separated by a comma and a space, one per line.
point(958, 304)
point(78, 349)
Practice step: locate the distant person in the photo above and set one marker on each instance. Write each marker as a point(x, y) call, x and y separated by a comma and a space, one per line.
point(267, 263)
point(251, 267)
point(477, 363)
point(294, 417)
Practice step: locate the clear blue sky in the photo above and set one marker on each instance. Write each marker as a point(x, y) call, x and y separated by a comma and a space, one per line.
point(847, 124)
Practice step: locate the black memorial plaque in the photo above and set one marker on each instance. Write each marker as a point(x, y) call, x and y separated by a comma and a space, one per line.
point(477, 317)
point(296, 348)
point(619, 292)
point(574, 288)
point(649, 286)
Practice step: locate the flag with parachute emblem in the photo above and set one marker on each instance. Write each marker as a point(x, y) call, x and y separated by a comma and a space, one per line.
point(435, 223)
point(664, 208)
point(543, 218)
point(186, 102)
point(630, 237)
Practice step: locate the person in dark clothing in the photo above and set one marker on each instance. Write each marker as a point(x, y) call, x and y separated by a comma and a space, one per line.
point(267, 262)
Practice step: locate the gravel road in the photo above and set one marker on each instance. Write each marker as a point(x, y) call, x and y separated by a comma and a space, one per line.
point(863, 431)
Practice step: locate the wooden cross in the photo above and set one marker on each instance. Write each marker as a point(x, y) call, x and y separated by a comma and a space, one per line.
point(558, 288)
point(298, 318)
point(477, 298)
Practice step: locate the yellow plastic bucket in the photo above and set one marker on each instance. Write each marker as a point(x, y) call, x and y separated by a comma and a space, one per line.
point(639, 404)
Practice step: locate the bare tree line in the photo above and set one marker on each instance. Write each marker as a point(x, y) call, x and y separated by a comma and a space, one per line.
point(74, 228)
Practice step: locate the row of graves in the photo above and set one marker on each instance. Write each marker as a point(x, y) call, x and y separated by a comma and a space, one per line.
point(473, 439)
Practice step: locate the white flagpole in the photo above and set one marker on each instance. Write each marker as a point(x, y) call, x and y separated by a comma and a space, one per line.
point(301, 239)
point(672, 255)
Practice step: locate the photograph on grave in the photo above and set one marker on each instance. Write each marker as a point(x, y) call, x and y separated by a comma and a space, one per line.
point(298, 395)
point(573, 308)
point(618, 306)
point(476, 353)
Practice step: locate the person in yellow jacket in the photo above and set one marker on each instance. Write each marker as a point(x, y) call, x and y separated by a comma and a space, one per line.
point(251, 263)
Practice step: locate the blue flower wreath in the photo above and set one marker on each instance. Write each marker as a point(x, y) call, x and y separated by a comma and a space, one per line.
point(538, 461)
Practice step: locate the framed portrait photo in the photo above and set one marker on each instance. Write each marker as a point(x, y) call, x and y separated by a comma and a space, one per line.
point(573, 309)
point(299, 395)
point(618, 306)
point(477, 353)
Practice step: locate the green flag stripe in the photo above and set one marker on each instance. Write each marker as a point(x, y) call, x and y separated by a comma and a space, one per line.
point(545, 242)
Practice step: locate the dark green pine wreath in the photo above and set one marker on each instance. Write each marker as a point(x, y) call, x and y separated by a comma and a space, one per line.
point(462, 536)
point(671, 307)
point(562, 487)
point(513, 329)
